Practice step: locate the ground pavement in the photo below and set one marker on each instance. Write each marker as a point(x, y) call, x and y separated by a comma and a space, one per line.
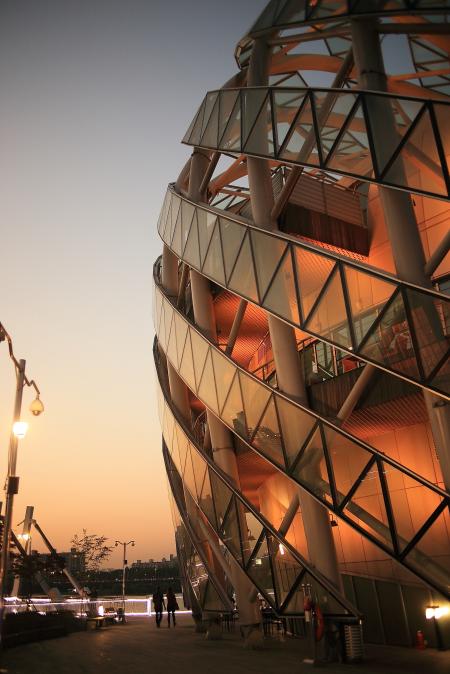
point(140, 648)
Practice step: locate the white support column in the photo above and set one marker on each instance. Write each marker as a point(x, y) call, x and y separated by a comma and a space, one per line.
point(315, 517)
point(398, 209)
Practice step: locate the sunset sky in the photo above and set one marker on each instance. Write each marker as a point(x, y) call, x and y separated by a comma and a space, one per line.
point(96, 96)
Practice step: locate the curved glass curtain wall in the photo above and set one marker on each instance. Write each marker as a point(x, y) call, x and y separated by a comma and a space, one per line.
point(394, 325)
point(303, 129)
point(271, 562)
point(208, 593)
point(362, 486)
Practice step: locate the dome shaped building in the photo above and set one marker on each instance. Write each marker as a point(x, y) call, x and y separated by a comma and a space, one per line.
point(302, 320)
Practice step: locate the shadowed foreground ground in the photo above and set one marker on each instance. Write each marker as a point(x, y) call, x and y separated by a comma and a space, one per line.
point(140, 648)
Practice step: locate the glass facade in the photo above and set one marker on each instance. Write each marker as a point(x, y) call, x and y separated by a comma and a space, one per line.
point(284, 320)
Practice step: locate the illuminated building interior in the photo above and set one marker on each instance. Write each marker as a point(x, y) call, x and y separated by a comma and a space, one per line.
point(302, 319)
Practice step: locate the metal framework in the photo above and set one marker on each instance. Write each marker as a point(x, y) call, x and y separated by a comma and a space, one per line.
point(224, 428)
point(342, 141)
point(255, 264)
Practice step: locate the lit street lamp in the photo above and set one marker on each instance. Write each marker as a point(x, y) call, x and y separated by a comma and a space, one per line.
point(124, 566)
point(19, 429)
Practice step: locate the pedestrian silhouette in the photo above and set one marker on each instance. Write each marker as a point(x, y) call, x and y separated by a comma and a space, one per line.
point(172, 606)
point(158, 603)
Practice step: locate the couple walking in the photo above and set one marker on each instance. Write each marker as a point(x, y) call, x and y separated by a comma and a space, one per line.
point(160, 605)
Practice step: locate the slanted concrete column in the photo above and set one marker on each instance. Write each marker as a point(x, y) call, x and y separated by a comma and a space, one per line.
point(322, 551)
point(401, 223)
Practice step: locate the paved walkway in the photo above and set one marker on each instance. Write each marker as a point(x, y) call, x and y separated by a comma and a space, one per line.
point(140, 648)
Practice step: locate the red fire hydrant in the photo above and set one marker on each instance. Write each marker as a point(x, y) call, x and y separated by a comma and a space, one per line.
point(420, 641)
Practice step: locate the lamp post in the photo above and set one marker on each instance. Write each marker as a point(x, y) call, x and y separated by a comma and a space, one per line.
point(124, 566)
point(19, 429)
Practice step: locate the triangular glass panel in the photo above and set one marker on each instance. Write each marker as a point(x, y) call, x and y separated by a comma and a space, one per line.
point(206, 500)
point(224, 372)
point(175, 244)
point(188, 475)
point(291, 13)
point(301, 145)
point(233, 410)
point(211, 600)
point(213, 265)
point(190, 130)
point(181, 328)
point(401, 112)
point(243, 279)
point(194, 138)
point(221, 495)
point(163, 214)
point(171, 351)
point(227, 101)
point(268, 252)
point(268, 437)
point(187, 214)
point(348, 460)
point(187, 365)
point(168, 427)
point(267, 17)
point(209, 138)
point(206, 225)
point(281, 297)
point(260, 572)
point(231, 139)
point(251, 104)
point(412, 503)
point(367, 509)
point(312, 272)
point(426, 313)
point(260, 138)
point(211, 99)
point(251, 536)
point(390, 342)
point(183, 446)
point(207, 387)
point(328, 318)
point(434, 546)
point(418, 162)
point(255, 396)
point(335, 119)
point(174, 212)
point(191, 253)
point(199, 465)
point(199, 350)
point(168, 314)
point(286, 105)
point(230, 532)
point(296, 425)
point(232, 236)
point(311, 468)
point(368, 295)
point(351, 153)
point(286, 569)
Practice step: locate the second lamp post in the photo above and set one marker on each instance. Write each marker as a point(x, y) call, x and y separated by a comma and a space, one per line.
point(124, 566)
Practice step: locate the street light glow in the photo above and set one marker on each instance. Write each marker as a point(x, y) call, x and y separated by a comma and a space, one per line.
point(20, 429)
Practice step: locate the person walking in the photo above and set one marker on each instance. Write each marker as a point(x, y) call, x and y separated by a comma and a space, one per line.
point(158, 603)
point(172, 606)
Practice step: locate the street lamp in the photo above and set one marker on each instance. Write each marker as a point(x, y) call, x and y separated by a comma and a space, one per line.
point(19, 429)
point(124, 565)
